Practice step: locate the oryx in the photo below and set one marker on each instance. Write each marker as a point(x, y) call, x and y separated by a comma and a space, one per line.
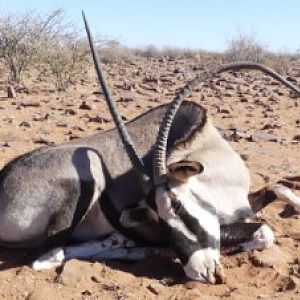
point(183, 188)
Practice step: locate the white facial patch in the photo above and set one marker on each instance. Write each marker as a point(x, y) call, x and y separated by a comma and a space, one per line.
point(166, 213)
point(184, 191)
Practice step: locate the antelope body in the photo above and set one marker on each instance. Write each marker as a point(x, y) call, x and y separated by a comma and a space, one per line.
point(183, 188)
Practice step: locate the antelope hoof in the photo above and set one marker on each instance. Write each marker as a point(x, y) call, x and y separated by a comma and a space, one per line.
point(52, 259)
point(204, 266)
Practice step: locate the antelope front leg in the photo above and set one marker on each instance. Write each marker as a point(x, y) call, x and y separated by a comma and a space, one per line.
point(114, 246)
point(239, 237)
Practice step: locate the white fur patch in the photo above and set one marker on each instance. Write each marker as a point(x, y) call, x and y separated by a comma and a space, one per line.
point(286, 194)
point(94, 224)
point(202, 265)
point(165, 211)
point(52, 259)
point(207, 220)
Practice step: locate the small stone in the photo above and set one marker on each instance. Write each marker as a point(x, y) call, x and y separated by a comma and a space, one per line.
point(223, 109)
point(74, 272)
point(25, 124)
point(28, 103)
point(98, 119)
point(296, 137)
point(128, 96)
point(42, 140)
point(85, 106)
point(154, 288)
point(264, 137)
point(70, 111)
point(11, 93)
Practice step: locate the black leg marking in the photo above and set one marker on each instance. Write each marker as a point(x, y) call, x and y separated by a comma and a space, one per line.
point(245, 237)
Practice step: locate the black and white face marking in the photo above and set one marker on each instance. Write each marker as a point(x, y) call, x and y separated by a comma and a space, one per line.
point(194, 231)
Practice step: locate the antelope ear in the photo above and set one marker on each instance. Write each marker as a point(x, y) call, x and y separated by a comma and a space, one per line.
point(133, 217)
point(184, 169)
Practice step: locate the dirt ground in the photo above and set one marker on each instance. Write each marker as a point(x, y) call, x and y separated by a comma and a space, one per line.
point(259, 116)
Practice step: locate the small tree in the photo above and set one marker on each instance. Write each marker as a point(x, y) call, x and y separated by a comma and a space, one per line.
point(67, 57)
point(22, 38)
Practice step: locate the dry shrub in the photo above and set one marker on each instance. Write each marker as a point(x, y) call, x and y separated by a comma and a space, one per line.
point(208, 59)
point(245, 47)
point(280, 62)
point(152, 51)
point(115, 52)
point(23, 38)
point(68, 56)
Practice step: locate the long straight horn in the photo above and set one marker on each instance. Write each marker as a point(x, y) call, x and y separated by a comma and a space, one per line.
point(136, 161)
point(159, 161)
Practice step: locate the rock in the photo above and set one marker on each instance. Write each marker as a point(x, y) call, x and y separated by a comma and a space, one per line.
point(274, 98)
point(25, 124)
point(179, 70)
point(21, 89)
point(128, 96)
point(271, 125)
point(62, 124)
point(73, 272)
point(73, 136)
point(9, 144)
point(225, 109)
point(296, 137)
point(42, 140)
point(85, 106)
point(99, 119)
point(29, 103)
point(264, 137)
point(151, 78)
point(154, 288)
point(11, 93)
point(40, 118)
point(70, 111)
point(287, 283)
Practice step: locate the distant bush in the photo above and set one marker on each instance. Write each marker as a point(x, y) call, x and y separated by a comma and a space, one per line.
point(113, 51)
point(23, 38)
point(152, 51)
point(245, 47)
point(280, 62)
point(67, 56)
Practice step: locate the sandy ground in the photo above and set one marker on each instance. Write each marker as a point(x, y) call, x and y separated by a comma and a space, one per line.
point(260, 117)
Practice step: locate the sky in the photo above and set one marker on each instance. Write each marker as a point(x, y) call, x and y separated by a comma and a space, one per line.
point(208, 25)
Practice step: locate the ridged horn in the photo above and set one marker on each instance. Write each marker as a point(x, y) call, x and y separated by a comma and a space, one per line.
point(159, 160)
point(136, 161)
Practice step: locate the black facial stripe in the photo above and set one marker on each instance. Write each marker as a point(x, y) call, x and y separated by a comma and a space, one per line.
point(205, 205)
point(204, 238)
point(183, 246)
